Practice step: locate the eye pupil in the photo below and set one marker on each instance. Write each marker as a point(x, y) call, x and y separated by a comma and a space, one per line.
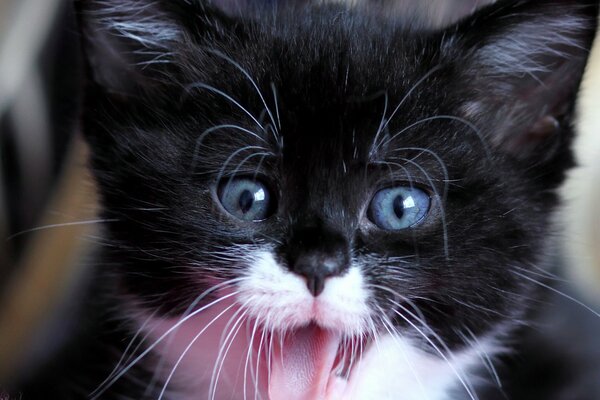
point(246, 201)
point(399, 206)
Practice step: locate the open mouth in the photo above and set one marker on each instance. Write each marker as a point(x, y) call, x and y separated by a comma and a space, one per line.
point(312, 363)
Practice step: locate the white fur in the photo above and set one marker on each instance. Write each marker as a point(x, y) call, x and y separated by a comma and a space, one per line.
point(281, 299)
point(392, 367)
point(395, 369)
point(533, 47)
point(149, 27)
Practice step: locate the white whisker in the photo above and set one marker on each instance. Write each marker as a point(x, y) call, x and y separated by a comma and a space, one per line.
point(228, 342)
point(566, 296)
point(203, 135)
point(185, 351)
point(273, 89)
point(252, 81)
point(486, 358)
point(235, 153)
point(151, 347)
point(248, 357)
point(376, 145)
point(60, 225)
point(460, 376)
point(389, 328)
point(125, 357)
point(200, 85)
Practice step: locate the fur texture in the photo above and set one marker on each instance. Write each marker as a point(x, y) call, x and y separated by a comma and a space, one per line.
point(325, 106)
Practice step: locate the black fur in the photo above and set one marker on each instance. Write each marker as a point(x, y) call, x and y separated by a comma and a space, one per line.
point(466, 131)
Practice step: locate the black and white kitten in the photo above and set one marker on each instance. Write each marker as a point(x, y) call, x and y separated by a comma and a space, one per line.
point(320, 203)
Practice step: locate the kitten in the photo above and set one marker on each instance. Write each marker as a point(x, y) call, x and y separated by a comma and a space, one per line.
point(321, 203)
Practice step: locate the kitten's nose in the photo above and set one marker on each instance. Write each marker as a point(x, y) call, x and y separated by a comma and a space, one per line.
point(317, 254)
point(316, 267)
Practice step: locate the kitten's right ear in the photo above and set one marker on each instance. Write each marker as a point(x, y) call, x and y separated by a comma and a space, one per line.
point(134, 44)
point(521, 65)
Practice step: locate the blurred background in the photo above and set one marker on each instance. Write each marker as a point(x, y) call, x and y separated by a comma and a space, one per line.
point(47, 202)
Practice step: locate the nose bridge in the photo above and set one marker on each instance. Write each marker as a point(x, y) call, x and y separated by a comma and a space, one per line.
point(322, 222)
point(320, 173)
point(326, 206)
point(316, 252)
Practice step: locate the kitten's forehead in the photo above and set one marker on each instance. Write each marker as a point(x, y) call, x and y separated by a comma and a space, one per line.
point(338, 94)
point(326, 115)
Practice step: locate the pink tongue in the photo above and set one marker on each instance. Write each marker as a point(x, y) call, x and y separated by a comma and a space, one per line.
point(301, 368)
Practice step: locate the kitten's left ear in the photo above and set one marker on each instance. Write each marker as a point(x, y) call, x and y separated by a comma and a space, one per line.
point(134, 44)
point(525, 62)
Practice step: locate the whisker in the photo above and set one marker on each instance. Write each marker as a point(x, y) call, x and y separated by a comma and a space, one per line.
point(541, 273)
point(252, 81)
point(185, 351)
point(486, 358)
point(406, 96)
point(438, 159)
point(250, 349)
point(444, 117)
point(259, 166)
point(421, 316)
point(230, 338)
point(151, 347)
point(256, 372)
point(200, 85)
point(389, 328)
point(235, 153)
point(566, 296)
point(228, 330)
point(241, 163)
point(270, 355)
point(200, 140)
point(382, 123)
point(390, 164)
point(125, 356)
point(61, 225)
point(460, 377)
point(274, 90)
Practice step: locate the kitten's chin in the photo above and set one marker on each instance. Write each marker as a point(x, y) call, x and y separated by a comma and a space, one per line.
point(245, 359)
point(219, 355)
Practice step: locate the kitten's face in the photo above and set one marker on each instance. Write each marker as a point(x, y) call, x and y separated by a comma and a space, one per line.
point(330, 178)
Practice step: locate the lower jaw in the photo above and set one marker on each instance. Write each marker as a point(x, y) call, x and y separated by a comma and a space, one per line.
point(241, 366)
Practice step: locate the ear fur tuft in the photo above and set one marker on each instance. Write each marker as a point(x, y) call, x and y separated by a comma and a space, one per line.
point(133, 43)
point(526, 60)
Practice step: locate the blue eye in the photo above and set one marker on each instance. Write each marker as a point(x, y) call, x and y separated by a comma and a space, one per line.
point(398, 208)
point(245, 199)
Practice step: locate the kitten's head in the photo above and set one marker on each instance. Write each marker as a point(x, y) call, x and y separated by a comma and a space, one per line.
point(329, 168)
